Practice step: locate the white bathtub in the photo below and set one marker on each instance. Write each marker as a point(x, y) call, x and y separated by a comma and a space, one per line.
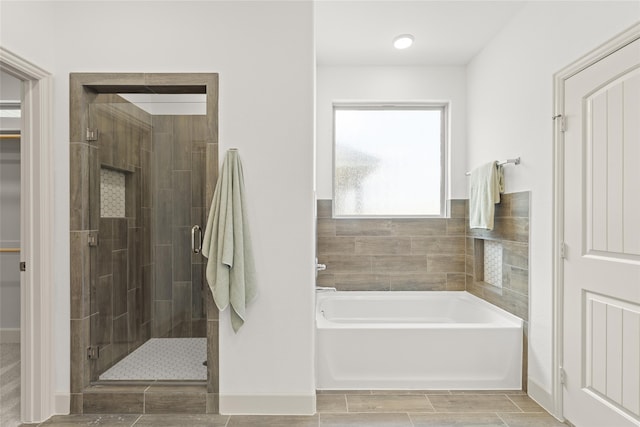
point(415, 340)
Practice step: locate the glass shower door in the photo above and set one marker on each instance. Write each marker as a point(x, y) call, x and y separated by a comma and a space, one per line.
point(146, 193)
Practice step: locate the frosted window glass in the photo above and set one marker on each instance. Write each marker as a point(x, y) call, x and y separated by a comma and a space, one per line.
point(388, 162)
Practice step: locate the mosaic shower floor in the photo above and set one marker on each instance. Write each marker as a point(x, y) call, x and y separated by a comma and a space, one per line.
point(163, 359)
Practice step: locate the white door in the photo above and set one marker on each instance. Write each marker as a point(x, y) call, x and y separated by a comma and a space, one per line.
point(602, 236)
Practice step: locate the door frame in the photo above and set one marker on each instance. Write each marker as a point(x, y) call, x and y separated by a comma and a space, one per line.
point(559, 80)
point(37, 398)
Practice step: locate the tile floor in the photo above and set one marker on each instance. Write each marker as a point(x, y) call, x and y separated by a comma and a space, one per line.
point(362, 409)
point(9, 385)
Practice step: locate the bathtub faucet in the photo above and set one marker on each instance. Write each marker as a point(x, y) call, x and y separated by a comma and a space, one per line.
point(325, 289)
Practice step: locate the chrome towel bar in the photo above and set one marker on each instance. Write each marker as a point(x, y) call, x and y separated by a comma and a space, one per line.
point(515, 161)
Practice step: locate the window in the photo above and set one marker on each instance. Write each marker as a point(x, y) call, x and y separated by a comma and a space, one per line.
point(389, 161)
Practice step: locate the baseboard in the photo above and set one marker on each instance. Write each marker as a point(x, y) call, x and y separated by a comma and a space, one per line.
point(542, 398)
point(268, 404)
point(61, 403)
point(9, 335)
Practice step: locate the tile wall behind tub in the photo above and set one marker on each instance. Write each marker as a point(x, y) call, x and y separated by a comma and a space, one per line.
point(511, 230)
point(418, 254)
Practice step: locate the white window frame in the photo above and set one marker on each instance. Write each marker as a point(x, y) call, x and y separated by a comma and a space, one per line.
point(444, 149)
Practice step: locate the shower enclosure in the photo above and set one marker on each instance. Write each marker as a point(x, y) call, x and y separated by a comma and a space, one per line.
point(143, 161)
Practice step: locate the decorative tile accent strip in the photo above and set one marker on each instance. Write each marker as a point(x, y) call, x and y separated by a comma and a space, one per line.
point(112, 193)
point(493, 263)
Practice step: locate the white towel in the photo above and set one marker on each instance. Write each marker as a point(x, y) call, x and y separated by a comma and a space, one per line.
point(487, 182)
point(227, 243)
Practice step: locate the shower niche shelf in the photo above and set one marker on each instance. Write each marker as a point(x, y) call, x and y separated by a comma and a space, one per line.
point(488, 262)
point(112, 193)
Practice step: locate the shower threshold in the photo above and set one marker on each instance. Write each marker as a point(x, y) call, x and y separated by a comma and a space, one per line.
point(161, 359)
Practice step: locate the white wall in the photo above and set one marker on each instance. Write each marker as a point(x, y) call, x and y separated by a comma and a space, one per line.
point(265, 56)
point(370, 83)
point(510, 96)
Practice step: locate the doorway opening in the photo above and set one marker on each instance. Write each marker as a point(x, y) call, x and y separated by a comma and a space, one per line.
point(10, 189)
point(37, 397)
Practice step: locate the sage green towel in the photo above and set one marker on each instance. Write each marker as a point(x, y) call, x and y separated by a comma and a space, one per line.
point(487, 182)
point(227, 243)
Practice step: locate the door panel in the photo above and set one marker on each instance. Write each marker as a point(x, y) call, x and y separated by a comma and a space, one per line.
point(602, 238)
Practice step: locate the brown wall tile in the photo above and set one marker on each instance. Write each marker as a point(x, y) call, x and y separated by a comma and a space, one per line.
point(457, 208)
point(147, 179)
point(198, 288)
point(181, 184)
point(325, 209)
point(348, 264)
point(335, 245)
point(419, 227)
point(363, 227)
point(516, 279)
point(182, 142)
point(164, 272)
point(516, 254)
point(520, 204)
point(198, 179)
point(78, 355)
point(102, 321)
point(80, 272)
point(325, 279)
point(399, 264)
point(503, 209)
point(164, 217)
point(79, 186)
point(437, 245)
point(182, 254)
point(162, 319)
point(94, 187)
point(456, 226)
point(382, 245)
point(456, 281)
point(120, 344)
point(120, 287)
point(181, 310)
point(418, 282)
point(326, 227)
point(360, 282)
point(446, 263)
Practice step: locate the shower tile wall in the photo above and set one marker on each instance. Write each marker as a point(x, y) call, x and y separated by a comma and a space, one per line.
point(123, 147)
point(179, 155)
point(421, 254)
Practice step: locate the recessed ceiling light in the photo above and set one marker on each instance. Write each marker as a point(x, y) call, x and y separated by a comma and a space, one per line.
point(403, 41)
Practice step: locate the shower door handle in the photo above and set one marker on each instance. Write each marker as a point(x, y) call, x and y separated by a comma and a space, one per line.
point(196, 239)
